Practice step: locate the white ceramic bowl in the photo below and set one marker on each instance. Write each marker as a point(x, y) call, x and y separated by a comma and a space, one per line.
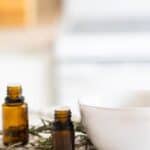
point(119, 124)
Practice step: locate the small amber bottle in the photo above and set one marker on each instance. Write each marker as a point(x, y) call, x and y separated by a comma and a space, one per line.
point(15, 117)
point(63, 131)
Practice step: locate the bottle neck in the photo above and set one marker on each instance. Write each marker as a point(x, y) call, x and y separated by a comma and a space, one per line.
point(14, 94)
point(63, 120)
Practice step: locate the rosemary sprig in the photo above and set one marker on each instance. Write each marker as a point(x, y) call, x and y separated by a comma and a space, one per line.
point(41, 138)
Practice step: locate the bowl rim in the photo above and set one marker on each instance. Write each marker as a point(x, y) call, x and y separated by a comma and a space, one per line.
point(142, 108)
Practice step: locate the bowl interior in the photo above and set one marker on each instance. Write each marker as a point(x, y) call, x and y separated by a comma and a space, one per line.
point(119, 99)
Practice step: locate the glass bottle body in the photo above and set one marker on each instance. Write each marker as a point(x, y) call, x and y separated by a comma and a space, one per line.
point(15, 123)
point(63, 137)
point(63, 131)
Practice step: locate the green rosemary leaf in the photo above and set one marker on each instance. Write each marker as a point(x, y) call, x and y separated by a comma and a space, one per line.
point(41, 138)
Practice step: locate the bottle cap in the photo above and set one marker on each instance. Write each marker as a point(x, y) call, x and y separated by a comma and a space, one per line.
point(14, 91)
point(62, 112)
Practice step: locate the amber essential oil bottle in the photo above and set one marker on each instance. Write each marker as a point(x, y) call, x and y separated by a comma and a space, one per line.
point(15, 117)
point(63, 131)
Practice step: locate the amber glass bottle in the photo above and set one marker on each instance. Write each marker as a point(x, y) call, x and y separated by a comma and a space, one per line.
point(63, 131)
point(15, 117)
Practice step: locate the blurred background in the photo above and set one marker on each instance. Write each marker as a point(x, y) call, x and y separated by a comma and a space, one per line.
point(64, 50)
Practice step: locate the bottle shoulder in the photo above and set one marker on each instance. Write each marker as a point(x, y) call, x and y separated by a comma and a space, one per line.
point(15, 104)
point(63, 126)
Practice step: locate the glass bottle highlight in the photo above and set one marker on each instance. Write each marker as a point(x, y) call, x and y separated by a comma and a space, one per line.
point(63, 131)
point(15, 117)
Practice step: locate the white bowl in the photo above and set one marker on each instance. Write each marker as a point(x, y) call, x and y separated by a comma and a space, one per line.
point(122, 125)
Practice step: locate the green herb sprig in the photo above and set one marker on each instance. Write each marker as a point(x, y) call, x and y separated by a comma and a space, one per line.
point(41, 138)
